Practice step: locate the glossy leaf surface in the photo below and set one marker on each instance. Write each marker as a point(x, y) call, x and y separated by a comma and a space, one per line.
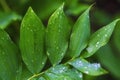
point(61, 72)
point(80, 35)
point(32, 42)
point(57, 36)
point(8, 57)
point(99, 39)
point(82, 65)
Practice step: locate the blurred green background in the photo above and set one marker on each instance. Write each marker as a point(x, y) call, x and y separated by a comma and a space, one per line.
point(102, 13)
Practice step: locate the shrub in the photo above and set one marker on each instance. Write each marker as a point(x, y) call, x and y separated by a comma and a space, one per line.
point(65, 47)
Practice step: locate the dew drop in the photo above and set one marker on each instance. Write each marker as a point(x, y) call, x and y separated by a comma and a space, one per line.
point(86, 72)
point(55, 42)
point(62, 54)
point(79, 63)
point(65, 79)
point(97, 42)
point(97, 66)
point(32, 11)
point(98, 35)
point(105, 35)
point(53, 69)
point(43, 63)
point(105, 29)
point(96, 45)
point(85, 67)
point(89, 49)
point(72, 35)
point(31, 30)
point(57, 47)
point(80, 75)
point(60, 16)
point(27, 64)
point(48, 53)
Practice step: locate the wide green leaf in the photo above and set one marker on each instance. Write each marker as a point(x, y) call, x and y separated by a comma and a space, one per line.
point(99, 39)
point(32, 42)
point(61, 72)
point(7, 18)
point(80, 35)
point(82, 65)
point(8, 57)
point(57, 36)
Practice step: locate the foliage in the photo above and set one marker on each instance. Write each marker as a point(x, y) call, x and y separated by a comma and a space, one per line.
point(37, 51)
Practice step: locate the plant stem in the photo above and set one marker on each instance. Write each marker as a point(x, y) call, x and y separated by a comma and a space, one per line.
point(39, 74)
point(36, 75)
point(4, 5)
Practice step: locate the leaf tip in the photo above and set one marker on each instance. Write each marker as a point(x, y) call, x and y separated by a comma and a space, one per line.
point(30, 9)
point(62, 6)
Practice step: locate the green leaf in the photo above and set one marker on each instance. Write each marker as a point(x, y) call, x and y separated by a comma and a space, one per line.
point(25, 73)
point(82, 65)
point(80, 35)
point(116, 37)
point(57, 36)
point(51, 76)
point(99, 39)
point(7, 18)
point(19, 71)
point(32, 42)
point(61, 72)
point(76, 9)
point(55, 73)
point(73, 74)
point(8, 57)
point(109, 59)
point(58, 69)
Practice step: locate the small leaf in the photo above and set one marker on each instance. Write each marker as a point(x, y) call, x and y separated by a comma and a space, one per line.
point(80, 35)
point(55, 73)
point(58, 69)
point(32, 42)
point(99, 39)
point(82, 65)
point(57, 36)
point(8, 57)
point(7, 18)
point(62, 72)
